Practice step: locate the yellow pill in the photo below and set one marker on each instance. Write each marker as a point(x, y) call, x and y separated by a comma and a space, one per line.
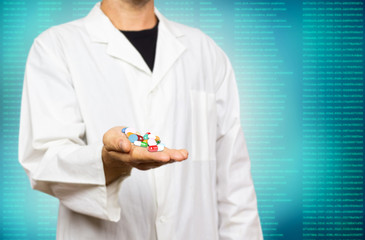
point(157, 138)
point(128, 134)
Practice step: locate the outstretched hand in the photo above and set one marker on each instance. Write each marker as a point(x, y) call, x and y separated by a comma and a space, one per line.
point(120, 156)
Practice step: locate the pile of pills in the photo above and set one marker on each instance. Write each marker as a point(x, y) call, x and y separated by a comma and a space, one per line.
point(148, 140)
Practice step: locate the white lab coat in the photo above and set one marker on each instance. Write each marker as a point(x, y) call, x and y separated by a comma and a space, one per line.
point(83, 78)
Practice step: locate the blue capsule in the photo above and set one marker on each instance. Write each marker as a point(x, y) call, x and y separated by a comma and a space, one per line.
point(132, 138)
point(123, 130)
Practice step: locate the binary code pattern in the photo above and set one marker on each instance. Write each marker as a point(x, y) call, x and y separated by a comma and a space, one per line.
point(262, 80)
point(13, 187)
point(300, 73)
point(332, 102)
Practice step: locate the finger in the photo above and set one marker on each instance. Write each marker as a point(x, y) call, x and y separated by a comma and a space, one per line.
point(115, 140)
point(119, 156)
point(147, 166)
point(140, 154)
point(147, 160)
point(124, 144)
point(177, 155)
point(184, 153)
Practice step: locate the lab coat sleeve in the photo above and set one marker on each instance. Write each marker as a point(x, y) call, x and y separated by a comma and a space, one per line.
point(237, 204)
point(52, 147)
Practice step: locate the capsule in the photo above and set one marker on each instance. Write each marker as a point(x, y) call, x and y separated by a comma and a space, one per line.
point(132, 138)
point(145, 141)
point(137, 143)
point(143, 144)
point(128, 130)
point(153, 148)
point(158, 142)
point(151, 136)
point(145, 137)
point(160, 147)
point(123, 130)
point(151, 142)
point(157, 138)
point(140, 138)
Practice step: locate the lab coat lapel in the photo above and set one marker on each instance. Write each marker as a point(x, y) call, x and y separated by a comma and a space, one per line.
point(120, 47)
point(101, 30)
point(168, 49)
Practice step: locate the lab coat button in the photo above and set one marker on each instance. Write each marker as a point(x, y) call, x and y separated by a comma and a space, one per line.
point(162, 219)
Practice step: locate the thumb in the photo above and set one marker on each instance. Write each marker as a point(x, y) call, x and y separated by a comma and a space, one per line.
point(124, 144)
point(115, 140)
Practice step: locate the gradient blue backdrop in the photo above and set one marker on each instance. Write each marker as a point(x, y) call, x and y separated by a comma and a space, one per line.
point(300, 72)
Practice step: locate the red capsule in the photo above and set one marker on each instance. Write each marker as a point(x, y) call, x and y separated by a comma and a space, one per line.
point(140, 138)
point(153, 148)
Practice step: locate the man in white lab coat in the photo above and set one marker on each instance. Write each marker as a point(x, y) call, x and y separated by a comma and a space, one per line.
point(85, 79)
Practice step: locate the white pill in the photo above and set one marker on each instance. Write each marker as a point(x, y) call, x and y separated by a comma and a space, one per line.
point(151, 142)
point(160, 147)
point(151, 136)
point(132, 130)
point(137, 143)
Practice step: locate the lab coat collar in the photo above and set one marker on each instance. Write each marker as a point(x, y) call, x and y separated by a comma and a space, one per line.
point(168, 49)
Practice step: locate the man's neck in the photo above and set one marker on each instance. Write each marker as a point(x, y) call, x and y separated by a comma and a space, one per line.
point(128, 16)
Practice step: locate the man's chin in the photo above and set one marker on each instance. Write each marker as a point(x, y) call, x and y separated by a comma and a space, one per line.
point(137, 3)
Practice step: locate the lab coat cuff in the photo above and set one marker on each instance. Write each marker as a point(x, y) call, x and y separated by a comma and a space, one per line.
point(93, 199)
point(110, 192)
point(112, 207)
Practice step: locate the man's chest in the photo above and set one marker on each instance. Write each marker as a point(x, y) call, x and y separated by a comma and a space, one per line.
point(113, 92)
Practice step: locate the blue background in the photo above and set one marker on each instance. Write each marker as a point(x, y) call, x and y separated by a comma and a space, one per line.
point(300, 72)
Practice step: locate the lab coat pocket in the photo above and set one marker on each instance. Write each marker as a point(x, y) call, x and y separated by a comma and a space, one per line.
point(203, 125)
